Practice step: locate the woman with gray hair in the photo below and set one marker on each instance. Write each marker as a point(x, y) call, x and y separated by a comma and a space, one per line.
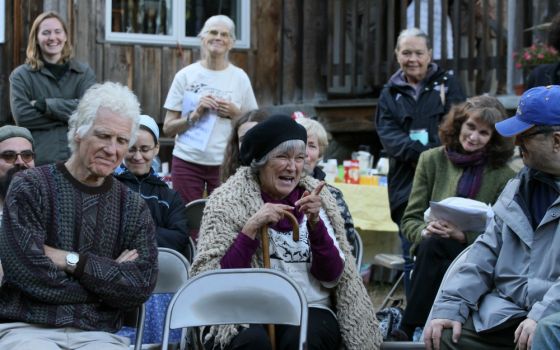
point(204, 98)
point(410, 108)
point(270, 183)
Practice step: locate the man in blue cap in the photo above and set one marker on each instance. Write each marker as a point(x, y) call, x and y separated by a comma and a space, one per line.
point(510, 279)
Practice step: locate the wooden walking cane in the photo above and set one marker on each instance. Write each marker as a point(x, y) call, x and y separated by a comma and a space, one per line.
point(266, 260)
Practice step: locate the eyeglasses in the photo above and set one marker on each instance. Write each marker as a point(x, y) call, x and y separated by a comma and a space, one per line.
point(143, 150)
point(11, 156)
point(541, 130)
point(224, 35)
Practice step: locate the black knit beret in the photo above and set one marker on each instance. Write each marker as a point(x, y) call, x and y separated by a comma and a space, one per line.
point(266, 135)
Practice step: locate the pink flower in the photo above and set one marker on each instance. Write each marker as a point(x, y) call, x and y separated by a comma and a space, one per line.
point(527, 56)
point(540, 56)
point(518, 65)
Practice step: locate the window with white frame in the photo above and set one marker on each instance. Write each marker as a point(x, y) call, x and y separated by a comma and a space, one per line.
point(172, 22)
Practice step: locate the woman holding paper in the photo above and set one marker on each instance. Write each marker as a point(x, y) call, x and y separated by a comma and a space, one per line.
point(203, 100)
point(471, 163)
point(411, 106)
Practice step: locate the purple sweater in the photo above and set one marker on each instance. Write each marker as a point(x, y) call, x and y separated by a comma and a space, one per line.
point(326, 264)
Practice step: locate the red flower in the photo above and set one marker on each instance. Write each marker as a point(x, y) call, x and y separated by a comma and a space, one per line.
point(534, 55)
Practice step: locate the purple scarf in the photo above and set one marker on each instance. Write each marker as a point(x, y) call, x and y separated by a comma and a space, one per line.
point(473, 167)
point(285, 225)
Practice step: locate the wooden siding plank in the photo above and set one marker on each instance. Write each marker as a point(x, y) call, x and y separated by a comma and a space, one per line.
point(117, 64)
point(291, 57)
point(147, 74)
point(173, 60)
point(313, 49)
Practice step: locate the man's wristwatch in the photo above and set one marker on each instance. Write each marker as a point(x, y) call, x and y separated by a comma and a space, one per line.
point(72, 260)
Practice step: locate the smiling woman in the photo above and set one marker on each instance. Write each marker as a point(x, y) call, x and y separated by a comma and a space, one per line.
point(46, 89)
point(270, 184)
point(204, 98)
point(410, 108)
point(472, 163)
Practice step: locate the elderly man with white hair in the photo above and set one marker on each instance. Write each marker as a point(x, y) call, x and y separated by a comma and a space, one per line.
point(78, 247)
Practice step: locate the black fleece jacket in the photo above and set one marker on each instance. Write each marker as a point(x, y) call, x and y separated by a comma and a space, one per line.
point(166, 206)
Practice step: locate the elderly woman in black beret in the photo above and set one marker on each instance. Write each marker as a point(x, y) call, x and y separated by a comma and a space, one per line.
point(270, 182)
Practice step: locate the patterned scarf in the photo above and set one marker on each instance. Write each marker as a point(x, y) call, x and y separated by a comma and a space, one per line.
point(473, 167)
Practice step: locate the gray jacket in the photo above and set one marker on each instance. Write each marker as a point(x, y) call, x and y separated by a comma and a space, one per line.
point(510, 271)
point(49, 129)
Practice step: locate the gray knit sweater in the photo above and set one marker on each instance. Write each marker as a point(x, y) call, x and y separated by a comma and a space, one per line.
point(46, 205)
point(228, 209)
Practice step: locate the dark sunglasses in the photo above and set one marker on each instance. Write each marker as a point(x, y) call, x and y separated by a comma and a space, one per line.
point(11, 156)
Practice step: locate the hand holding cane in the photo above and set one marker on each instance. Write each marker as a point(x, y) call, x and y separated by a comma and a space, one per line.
point(266, 260)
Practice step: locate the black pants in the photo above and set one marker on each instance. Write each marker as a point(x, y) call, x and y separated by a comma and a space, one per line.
point(500, 338)
point(433, 257)
point(322, 334)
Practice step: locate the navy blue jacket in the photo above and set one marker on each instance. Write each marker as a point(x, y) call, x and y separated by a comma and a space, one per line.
point(398, 112)
point(543, 75)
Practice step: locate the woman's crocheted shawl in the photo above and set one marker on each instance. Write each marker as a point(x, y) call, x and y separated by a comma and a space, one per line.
point(228, 209)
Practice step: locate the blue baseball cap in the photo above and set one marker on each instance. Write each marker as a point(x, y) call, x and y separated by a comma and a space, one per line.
point(538, 106)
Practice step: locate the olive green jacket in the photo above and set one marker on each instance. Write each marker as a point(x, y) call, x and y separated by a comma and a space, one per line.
point(50, 127)
point(436, 178)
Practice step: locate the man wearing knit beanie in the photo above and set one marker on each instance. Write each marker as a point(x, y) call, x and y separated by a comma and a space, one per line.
point(16, 154)
point(16, 149)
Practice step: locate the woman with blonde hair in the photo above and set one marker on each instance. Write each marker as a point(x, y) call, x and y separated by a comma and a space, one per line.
point(46, 89)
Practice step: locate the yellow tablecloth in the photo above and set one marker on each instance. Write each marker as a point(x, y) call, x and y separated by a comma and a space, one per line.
point(369, 206)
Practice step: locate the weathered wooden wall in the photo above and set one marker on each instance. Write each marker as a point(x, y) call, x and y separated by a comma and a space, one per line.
point(149, 69)
point(18, 19)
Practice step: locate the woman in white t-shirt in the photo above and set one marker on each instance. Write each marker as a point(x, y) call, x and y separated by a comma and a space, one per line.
point(204, 98)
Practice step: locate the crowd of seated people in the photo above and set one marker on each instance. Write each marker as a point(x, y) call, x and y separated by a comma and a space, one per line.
point(79, 238)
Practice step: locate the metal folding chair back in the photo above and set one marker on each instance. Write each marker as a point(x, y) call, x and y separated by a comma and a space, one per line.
point(135, 319)
point(238, 296)
point(358, 250)
point(194, 211)
point(173, 273)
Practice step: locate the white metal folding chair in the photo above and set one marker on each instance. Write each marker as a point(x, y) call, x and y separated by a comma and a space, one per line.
point(238, 296)
point(392, 262)
point(135, 319)
point(194, 211)
point(173, 273)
